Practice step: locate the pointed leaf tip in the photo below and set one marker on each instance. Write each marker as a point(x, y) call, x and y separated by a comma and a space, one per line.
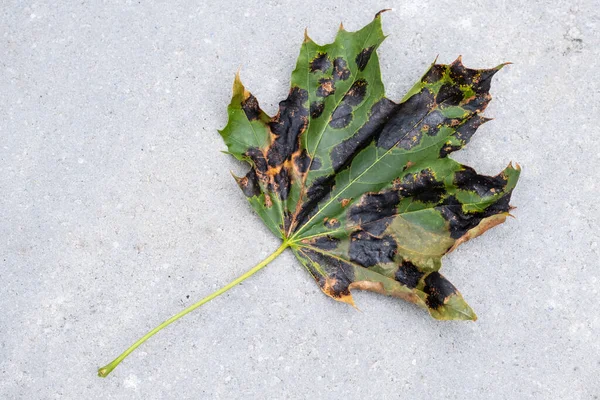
point(238, 86)
point(382, 11)
point(516, 167)
point(307, 38)
point(458, 60)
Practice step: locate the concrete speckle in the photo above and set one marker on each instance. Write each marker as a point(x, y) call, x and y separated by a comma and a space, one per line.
point(118, 208)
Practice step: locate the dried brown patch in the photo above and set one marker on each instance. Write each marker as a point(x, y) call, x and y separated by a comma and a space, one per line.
point(268, 201)
point(329, 289)
point(484, 225)
point(332, 223)
point(378, 287)
point(468, 100)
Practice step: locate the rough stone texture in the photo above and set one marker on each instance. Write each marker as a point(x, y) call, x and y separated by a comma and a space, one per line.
point(118, 209)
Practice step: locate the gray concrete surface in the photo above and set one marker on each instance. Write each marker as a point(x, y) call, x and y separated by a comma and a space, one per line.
point(118, 209)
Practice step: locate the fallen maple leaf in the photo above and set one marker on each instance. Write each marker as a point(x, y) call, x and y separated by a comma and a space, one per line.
point(359, 187)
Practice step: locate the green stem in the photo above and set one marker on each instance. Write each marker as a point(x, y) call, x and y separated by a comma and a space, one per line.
point(104, 371)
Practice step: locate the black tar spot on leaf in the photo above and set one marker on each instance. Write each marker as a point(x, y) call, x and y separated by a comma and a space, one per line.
point(408, 274)
point(326, 87)
point(461, 222)
point(438, 289)
point(421, 186)
point(249, 184)
point(287, 126)
point(325, 243)
point(340, 69)
point(342, 116)
point(316, 109)
point(374, 210)
point(250, 107)
point(362, 59)
point(320, 63)
point(368, 250)
point(484, 186)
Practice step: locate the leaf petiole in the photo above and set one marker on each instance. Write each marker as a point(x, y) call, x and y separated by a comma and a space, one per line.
point(107, 369)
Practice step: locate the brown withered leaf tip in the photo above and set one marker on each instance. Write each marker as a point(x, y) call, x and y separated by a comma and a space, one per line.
point(361, 187)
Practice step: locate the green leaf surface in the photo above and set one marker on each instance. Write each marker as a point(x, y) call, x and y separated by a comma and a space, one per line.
point(361, 187)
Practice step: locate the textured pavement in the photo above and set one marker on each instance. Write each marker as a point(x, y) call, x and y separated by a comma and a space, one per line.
point(118, 209)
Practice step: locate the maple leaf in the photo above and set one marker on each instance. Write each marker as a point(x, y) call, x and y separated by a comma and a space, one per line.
point(360, 187)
